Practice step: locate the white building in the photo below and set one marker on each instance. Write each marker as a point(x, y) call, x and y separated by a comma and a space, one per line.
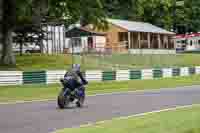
point(55, 42)
point(188, 42)
point(80, 40)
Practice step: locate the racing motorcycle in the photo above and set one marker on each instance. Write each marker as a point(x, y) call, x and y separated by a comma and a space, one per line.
point(67, 96)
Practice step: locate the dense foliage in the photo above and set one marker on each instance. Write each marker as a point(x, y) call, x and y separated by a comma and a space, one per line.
point(163, 13)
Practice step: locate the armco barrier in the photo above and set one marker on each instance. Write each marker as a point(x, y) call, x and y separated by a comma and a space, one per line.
point(122, 75)
point(109, 75)
point(34, 77)
point(176, 72)
point(167, 72)
point(147, 74)
point(135, 74)
point(184, 71)
point(49, 77)
point(192, 71)
point(11, 78)
point(197, 70)
point(93, 75)
point(54, 76)
point(157, 73)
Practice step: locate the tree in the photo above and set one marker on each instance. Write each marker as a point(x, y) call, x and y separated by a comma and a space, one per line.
point(91, 14)
point(120, 9)
point(84, 11)
point(1, 12)
point(157, 12)
point(192, 15)
point(9, 19)
point(21, 12)
point(15, 13)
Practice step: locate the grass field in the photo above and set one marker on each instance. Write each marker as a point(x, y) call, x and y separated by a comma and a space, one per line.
point(115, 61)
point(39, 92)
point(126, 61)
point(180, 121)
point(38, 62)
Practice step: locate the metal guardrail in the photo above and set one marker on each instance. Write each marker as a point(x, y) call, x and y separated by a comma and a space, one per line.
point(50, 77)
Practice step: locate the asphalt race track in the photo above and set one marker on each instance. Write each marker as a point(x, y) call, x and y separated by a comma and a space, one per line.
point(44, 117)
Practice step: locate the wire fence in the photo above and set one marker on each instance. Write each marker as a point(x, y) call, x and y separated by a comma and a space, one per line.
point(115, 58)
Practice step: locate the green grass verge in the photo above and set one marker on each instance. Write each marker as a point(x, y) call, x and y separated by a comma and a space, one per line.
point(39, 92)
point(38, 62)
point(127, 61)
point(180, 121)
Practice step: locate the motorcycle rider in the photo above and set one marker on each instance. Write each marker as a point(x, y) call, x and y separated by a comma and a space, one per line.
point(75, 79)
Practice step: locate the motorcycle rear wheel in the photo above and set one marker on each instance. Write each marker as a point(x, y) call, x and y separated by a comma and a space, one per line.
point(80, 102)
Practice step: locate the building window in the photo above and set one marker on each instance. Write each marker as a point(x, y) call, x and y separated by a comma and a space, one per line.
point(183, 41)
point(199, 42)
point(49, 35)
point(75, 42)
point(122, 36)
point(90, 43)
point(191, 43)
point(123, 39)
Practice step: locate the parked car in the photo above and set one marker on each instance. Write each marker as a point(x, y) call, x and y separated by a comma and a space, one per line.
point(33, 49)
point(27, 49)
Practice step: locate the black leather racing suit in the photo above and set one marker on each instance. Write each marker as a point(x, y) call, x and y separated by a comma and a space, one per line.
point(72, 83)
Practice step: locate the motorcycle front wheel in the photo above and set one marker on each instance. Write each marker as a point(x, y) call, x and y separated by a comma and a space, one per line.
point(62, 101)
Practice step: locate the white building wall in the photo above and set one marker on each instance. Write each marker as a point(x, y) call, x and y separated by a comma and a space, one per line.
point(56, 40)
point(99, 42)
point(151, 51)
point(195, 43)
point(191, 45)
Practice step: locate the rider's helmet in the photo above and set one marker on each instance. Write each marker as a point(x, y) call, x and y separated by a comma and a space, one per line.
point(76, 67)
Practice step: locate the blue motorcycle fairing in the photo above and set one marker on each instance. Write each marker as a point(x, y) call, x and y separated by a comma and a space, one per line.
point(80, 92)
point(66, 92)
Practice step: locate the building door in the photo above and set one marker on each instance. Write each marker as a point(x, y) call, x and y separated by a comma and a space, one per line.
point(123, 39)
point(90, 43)
point(75, 45)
